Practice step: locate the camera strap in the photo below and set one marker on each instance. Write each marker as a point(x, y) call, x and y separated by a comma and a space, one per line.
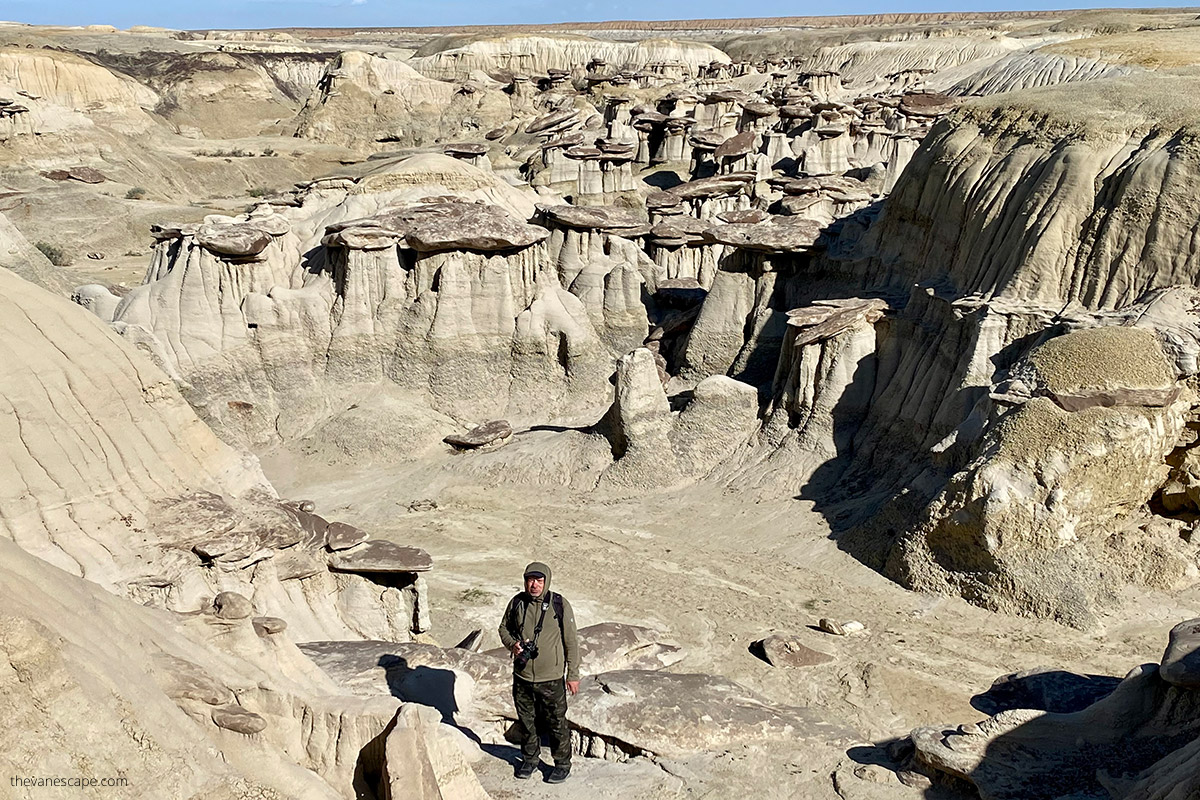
point(518, 630)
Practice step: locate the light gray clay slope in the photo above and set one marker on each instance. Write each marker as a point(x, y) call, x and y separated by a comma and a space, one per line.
point(111, 476)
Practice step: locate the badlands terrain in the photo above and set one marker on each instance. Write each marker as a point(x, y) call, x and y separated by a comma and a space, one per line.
point(845, 370)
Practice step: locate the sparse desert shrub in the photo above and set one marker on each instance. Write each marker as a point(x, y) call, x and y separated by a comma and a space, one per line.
point(261, 191)
point(57, 255)
point(136, 193)
point(269, 152)
point(474, 595)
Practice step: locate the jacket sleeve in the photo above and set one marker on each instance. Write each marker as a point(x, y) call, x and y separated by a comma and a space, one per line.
point(506, 638)
point(570, 642)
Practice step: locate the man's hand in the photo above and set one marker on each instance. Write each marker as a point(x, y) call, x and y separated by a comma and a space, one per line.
point(573, 687)
point(516, 649)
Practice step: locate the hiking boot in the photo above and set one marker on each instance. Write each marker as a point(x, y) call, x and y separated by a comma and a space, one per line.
point(526, 768)
point(558, 775)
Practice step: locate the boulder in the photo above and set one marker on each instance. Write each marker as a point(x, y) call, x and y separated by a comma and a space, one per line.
point(425, 759)
point(481, 435)
point(231, 605)
point(239, 720)
point(1181, 660)
point(1106, 366)
point(382, 556)
point(787, 650)
point(268, 626)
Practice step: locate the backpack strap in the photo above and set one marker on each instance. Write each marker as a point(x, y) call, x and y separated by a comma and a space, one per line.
point(556, 600)
point(514, 626)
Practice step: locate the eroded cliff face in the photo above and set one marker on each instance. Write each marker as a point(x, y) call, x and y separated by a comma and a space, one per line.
point(462, 307)
point(1014, 225)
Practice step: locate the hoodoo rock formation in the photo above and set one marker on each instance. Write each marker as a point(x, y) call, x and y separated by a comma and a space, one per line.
point(780, 341)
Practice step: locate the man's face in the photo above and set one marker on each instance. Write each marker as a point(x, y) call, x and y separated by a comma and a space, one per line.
point(534, 585)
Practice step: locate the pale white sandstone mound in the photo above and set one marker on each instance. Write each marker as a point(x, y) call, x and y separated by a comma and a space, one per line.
point(878, 64)
point(539, 54)
point(364, 100)
point(201, 705)
point(1027, 70)
point(72, 82)
point(111, 476)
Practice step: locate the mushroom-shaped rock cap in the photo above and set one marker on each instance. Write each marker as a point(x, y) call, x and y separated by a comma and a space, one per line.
point(780, 235)
point(171, 230)
point(468, 226)
point(583, 152)
point(662, 200)
point(432, 227)
point(716, 186)
point(465, 149)
point(676, 124)
point(707, 139)
point(340, 536)
point(382, 556)
point(1105, 366)
point(735, 146)
point(744, 215)
point(729, 96)
point(648, 120)
point(827, 318)
point(569, 139)
point(758, 108)
point(595, 218)
point(234, 239)
point(679, 230)
point(268, 221)
point(552, 120)
point(926, 104)
point(365, 236)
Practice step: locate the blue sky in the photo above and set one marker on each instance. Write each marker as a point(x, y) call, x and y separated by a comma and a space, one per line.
point(192, 14)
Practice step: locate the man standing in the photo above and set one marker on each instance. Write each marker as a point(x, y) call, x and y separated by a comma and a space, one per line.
point(539, 631)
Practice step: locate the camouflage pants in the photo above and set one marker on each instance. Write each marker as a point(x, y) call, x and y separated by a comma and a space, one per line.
point(542, 707)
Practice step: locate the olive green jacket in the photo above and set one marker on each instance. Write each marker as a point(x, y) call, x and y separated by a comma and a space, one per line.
point(558, 649)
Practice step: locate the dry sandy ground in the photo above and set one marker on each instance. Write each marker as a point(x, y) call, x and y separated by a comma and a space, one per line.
point(714, 573)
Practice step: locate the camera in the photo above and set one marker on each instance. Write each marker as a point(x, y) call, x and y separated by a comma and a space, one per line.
point(528, 650)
